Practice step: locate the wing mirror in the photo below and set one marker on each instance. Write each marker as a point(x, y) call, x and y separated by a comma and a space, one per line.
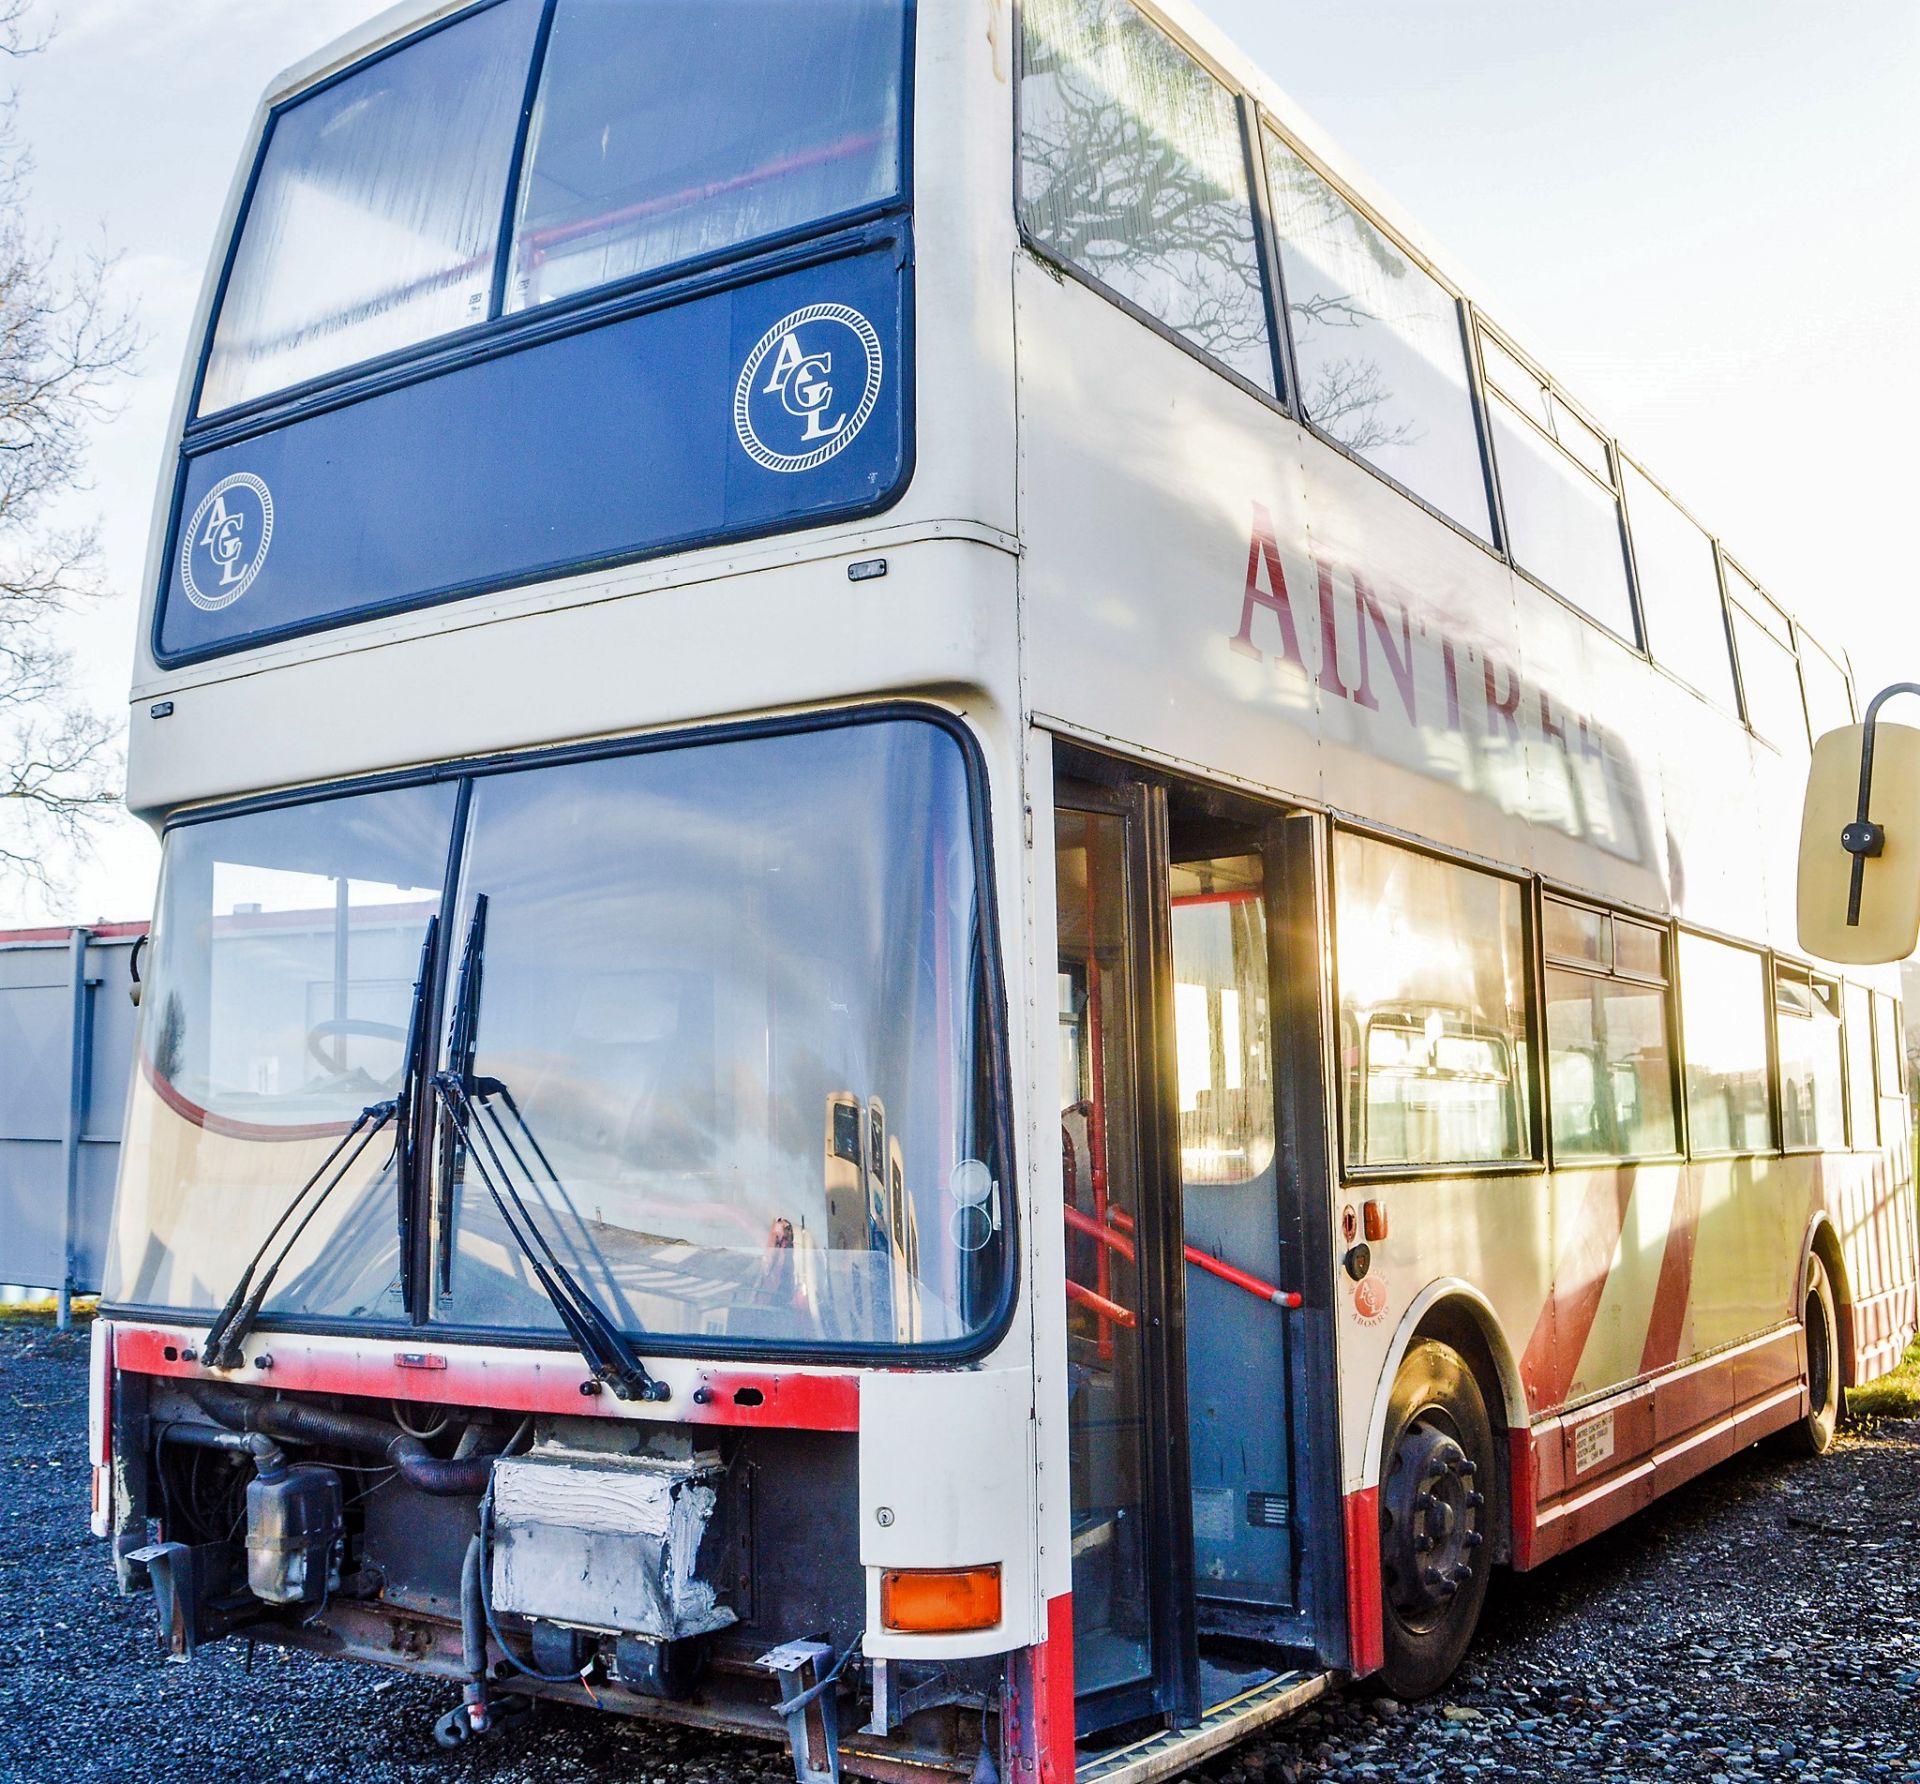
point(1860, 842)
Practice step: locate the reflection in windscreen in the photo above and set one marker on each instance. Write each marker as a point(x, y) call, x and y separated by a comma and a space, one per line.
point(276, 1006)
point(735, 992)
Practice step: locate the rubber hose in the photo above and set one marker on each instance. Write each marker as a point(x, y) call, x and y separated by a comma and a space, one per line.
point(473, 1633)
point(462, 1477)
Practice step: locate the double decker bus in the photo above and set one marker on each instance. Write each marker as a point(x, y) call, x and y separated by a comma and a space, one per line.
point(971, 946)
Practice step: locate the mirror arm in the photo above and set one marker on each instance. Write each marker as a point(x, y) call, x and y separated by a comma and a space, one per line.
point(1863, 839)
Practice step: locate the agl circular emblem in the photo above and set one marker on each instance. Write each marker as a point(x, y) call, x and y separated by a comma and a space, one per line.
point(224, 546)
point(808, 388)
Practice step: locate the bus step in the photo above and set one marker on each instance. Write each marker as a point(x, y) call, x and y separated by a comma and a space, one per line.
point(1225, 1724)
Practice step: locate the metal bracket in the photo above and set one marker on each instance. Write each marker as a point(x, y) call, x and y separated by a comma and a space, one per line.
point(811, 1716)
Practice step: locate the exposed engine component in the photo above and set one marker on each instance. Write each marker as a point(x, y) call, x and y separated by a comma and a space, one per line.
point(295, 1522)
point(603, 1542)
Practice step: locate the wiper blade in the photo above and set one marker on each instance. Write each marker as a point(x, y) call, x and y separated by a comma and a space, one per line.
point(599, 1340)
point(414, 1111)
point(461, 1030)
point(236, 1318)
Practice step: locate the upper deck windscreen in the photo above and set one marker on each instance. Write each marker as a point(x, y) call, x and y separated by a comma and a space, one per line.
point(391, 409)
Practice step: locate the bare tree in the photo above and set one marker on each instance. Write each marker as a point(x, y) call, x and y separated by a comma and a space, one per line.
point(63, 344)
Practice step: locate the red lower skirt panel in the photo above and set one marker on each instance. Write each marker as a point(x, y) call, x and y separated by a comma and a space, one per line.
point(1595, 1466)
point(1875, 1332)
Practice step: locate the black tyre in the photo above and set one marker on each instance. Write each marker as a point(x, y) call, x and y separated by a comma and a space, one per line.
point(1812, 1435)
point(1436, 1466)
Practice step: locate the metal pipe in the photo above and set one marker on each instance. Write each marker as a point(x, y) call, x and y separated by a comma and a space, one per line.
point(79, 1060)
point(462, 1477)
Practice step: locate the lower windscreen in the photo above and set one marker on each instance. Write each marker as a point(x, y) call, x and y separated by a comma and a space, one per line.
point(727, 1067)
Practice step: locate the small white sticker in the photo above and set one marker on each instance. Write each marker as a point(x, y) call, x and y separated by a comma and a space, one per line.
point(1592, 1443)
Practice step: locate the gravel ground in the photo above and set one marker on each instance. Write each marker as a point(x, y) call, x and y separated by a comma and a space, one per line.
point(1763, 1622)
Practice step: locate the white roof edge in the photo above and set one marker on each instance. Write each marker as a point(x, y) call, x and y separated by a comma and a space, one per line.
point(382, 28)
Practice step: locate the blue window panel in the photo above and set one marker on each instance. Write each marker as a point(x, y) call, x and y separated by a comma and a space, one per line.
point(769, 406)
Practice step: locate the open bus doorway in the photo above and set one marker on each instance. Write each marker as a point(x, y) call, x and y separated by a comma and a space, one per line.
point(1206, 1552)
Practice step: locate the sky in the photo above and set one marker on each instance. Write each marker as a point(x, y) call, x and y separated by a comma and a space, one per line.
point(1699, 215)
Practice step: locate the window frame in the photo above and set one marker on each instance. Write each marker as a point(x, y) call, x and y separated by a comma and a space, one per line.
point(1536, 1163)
point(1623, 459)
point(1555, 395)
point(1785, 968)
point(1730, 567)
point(1775, 1120)
point(1262, 120)
point(1850, 1043)
point(500, 329)
point(1259, 216)
point(1612, 974)
point(996, 1061)
point(1803, 643)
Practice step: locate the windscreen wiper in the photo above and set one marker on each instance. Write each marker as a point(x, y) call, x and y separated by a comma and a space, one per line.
point(600, 1341)
point(464, 1099)
point(414, 1113)
point(460, 1045)
point(236, 1319)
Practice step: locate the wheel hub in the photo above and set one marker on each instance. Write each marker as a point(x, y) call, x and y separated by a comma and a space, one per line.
point(1430, 1522)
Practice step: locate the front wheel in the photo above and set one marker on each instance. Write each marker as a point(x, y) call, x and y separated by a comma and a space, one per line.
point(1812, 1433)
point(1434, 1468)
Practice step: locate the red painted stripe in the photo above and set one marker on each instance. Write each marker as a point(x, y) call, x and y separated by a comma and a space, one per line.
point(1366, 1635)
point(100, 932)
point(1668, 1326)
point(225, 1126)
point(1053, 1676)
point(1037, 1714)
point(1552, 1356)
point(511, 1380)
point(1523, 1488)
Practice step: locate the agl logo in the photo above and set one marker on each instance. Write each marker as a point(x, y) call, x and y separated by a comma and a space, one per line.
point(225, 545)
point(808, 388)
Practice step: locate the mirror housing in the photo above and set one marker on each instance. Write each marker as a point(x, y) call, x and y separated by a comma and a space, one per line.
point(1888, 923)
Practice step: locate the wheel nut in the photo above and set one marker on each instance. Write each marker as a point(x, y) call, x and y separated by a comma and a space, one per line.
point(1476, 1500)
point(1421, 1542)
point(1467, 1467)
point(1472, 1540)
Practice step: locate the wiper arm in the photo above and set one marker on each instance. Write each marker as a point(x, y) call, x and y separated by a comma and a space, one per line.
point(236, 1318)
point(461, 1031)
point(600, 1341)
point(414, 1110)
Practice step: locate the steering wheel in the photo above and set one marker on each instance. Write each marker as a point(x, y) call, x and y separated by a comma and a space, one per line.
point(341, 1026)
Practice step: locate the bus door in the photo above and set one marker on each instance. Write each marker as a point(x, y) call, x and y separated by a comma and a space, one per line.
point(1205, 1487)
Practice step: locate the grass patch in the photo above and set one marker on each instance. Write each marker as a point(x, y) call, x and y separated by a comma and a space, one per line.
point(1895, 1395)
point(33, 1312)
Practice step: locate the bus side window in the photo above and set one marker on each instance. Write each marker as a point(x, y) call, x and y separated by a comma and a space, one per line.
point(1723, 1009)
point(1432, 963)
point(1132, 170)
point(1609, 1035)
